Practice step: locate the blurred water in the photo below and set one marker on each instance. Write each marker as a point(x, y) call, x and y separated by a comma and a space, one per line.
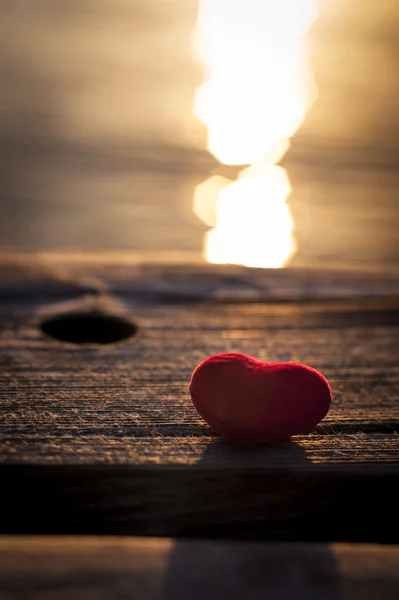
point(100, 149)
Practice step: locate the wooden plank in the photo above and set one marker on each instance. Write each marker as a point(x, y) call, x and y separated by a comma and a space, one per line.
point(282, 494)
point(317, 452)
point(152, 277)
point(106, 440)
point(70, 390)
point(165, 569)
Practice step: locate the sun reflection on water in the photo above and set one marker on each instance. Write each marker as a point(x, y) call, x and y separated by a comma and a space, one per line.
point(257, 93)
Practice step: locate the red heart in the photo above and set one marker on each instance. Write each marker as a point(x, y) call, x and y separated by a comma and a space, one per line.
point(254, 402)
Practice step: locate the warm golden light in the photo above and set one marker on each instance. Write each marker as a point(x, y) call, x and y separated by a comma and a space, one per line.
point(251, 216)
point(257, 94)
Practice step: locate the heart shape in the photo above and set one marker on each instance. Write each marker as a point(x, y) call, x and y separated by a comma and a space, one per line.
point(253, 402)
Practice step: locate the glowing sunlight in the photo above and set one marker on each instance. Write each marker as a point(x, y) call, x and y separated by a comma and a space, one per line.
point(257, 93)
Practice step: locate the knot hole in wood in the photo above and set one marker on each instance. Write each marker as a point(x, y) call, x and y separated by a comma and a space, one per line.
point(92, 327)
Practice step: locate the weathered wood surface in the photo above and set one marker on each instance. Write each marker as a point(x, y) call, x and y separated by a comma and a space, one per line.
point(165, 569)
point(105, 439)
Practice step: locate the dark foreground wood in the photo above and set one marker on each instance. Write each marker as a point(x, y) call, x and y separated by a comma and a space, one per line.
point(103, 439)
point(164, 569)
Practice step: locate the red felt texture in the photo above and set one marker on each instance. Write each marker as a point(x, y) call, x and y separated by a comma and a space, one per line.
point(253, 402)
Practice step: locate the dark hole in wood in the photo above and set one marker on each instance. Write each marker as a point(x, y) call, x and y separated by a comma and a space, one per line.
point(89, 328)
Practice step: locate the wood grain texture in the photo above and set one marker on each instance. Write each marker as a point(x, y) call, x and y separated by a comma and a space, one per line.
point(106, 440)
point(164, 569)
